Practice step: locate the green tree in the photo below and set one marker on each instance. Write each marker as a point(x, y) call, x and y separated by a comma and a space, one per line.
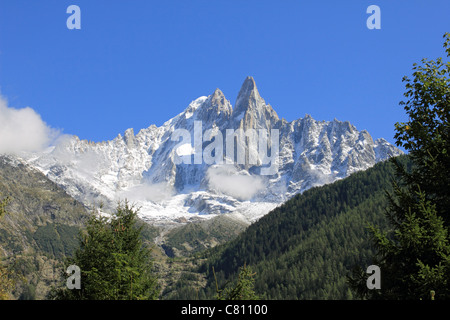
point(114, 263)
point(243, 289)
point(414, 257)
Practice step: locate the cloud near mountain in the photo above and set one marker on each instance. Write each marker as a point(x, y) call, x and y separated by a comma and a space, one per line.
point(227, 180)
point(22, 130)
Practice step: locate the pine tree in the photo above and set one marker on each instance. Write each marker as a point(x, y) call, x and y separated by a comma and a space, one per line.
point(414, 257)
point(114, 263)
point(243, 289)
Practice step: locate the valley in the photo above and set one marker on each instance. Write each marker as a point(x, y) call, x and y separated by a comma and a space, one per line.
point(190, 211)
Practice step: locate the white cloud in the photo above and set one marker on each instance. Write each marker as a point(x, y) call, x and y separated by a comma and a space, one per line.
point(157, 192)
point(22, 130)
point(227, 180)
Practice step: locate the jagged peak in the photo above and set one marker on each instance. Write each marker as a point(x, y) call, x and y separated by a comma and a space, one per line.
point(217, 93)
point(218, 99)
point(248, 87)
point(129, 137)
point(216, 104)
point(129, 132)
point(250, 106)
point(248, 96)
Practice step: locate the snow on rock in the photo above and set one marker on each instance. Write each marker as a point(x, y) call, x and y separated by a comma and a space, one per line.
point(143, 167)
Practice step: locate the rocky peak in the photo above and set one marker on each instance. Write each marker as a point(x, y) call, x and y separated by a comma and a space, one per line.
point(129, 138)
point(251, 111)
point(218, 101)
point(215, 108)
point(248, 97)
point(310, 153)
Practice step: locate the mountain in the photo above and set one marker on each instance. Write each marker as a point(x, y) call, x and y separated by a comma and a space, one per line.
point(40, 229)
point(305, 248)
point(212, 159)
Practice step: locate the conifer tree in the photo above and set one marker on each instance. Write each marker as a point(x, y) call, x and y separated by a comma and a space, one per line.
point(414, 257)
point(243, 289)
point(114, 263)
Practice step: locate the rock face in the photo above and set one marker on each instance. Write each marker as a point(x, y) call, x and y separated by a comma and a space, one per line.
point(40, 229)
point(213, 159)
point(251, 110)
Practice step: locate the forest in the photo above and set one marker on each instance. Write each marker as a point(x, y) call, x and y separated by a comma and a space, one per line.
point(307, 247)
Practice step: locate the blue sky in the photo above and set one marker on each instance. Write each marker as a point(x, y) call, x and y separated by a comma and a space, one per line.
point(137, 63)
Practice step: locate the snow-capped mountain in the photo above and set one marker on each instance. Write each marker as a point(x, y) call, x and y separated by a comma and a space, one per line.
point(191, 166)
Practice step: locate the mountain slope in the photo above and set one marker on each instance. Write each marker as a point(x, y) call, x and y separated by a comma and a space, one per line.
point(305, 248)
point(41, 226)
point(182, 171)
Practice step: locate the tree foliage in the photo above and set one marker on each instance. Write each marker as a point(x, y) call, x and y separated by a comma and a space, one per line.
point(414, 256)
point(305, 248)
point(243, 288)
point(114, 263)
